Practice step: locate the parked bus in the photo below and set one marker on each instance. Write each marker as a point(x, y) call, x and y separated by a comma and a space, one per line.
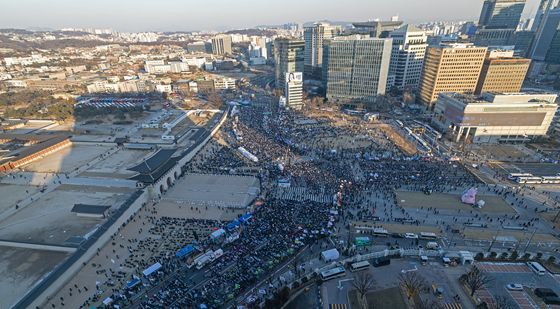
point(332, 273)
point(514, 176)
point(529, 180)
point(429, 236)
point(380, 232)
point(359, 266)
point(551, 179)
point(537, 268)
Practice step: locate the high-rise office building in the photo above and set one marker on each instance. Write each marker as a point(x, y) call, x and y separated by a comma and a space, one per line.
point(544, 7)
point(545, 34)
point(221, 45)
point(501, 14)
point(293, 90)
point(450, 68)
point(498, 21)
point(501, 72)
point(553, 55)
point(356, 67)
point(492, 37)
point(407, 57)
point(289, 55)
point(522, 41)
point(314, 37)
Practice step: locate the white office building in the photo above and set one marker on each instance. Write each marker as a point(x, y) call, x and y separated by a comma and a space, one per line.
point(293, 91)
point(407, 57)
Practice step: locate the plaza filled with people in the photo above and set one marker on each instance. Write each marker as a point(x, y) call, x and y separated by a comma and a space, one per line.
point(318, 178)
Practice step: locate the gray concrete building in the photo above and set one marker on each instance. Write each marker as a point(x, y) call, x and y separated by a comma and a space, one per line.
point(501, 14)
point(314, 37)
point(356, 67)
point(289, 56)
point(545, 34)
point(221, 45)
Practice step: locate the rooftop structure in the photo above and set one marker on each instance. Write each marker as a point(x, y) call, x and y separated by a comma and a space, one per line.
point(95, 211)
point(376, 29)
point(32, 147)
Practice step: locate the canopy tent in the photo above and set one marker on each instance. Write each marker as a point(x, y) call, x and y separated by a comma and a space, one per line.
point(150, 270)
point(330, 255)
point(245, 217)
point(217, 233)
point(185, 251)
point(132, 283)
point(232, 225)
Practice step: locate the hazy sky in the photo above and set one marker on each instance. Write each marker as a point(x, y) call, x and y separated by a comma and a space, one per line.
point(160, 15)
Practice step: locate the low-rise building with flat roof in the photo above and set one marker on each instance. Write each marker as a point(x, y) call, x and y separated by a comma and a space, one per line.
point(495, 117)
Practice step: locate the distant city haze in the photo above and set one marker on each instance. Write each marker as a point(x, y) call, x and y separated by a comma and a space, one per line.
point(190, 15)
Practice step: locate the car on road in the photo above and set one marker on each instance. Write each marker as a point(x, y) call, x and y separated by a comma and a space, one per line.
point(410, 236)
point(514, 287)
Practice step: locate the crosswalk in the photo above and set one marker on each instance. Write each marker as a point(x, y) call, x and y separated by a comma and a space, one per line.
point(301, 194)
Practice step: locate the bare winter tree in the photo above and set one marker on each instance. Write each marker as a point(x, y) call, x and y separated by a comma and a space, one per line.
point(475, 279)
point(214, 99)
point(501, 302)
point(412, 283)
point(363, 282)
point(295, 263)
point(428, 304)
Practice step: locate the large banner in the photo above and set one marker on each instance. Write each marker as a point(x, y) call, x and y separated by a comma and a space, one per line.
point(469, 196)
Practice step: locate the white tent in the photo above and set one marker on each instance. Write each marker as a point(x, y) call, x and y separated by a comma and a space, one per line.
point(150, 270)
point(217, 233)
point(330, 255)
point(466, 257)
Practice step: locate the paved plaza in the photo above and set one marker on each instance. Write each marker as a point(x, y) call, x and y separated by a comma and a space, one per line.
point(214, 190)
point(445, 201)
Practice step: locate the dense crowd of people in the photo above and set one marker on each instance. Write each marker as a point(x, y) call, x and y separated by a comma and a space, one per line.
point(343, 163)
point(281, 227)
point(277, 230)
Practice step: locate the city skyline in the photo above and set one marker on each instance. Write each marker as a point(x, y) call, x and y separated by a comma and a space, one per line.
point(174, 15)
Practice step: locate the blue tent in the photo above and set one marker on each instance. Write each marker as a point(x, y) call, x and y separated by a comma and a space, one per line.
point(132, 283)
point(232, 225)
point(185, 251)
point(245, 217)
